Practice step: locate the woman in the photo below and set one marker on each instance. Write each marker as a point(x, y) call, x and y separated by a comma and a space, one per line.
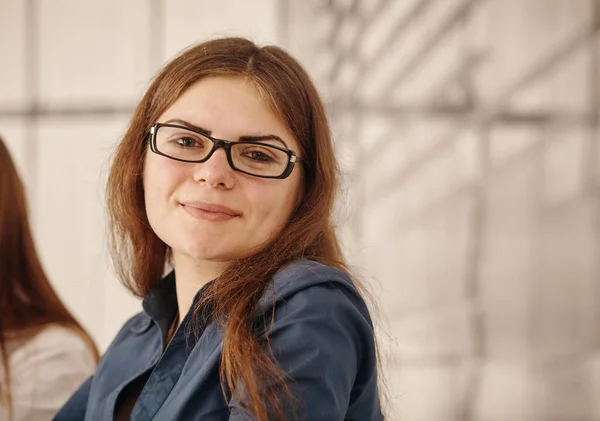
point(44, 353)
point(225, 181)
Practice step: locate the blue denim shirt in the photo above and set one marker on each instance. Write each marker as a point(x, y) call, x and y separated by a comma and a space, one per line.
point(322, 338)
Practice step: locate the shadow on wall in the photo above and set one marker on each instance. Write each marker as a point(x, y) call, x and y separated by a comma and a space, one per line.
point(469, 133)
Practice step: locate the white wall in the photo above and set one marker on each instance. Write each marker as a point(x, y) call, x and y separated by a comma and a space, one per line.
point(469, 131)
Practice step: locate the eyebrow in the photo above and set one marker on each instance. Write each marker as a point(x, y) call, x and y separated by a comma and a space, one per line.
point(259, 138)
point(189, 125)
point(246, 138)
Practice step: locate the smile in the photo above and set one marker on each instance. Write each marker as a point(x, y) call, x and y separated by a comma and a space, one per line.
point(209, 212)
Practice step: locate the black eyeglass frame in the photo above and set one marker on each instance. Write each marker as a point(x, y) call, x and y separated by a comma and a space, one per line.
point(225, 144)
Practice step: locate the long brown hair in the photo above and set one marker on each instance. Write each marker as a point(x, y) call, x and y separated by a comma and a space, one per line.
point(140, 256)
point(28, 302)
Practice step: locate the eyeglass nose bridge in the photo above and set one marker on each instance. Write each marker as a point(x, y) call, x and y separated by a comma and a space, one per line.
point(219, 143)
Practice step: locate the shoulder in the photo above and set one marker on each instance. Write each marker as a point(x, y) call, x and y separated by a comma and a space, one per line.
point(320, 332)
point(304, 273)
point(56, 343)
point(309, 300)
point(61, 336)
point(316, 283)
point(138, 336)
point(138, 323)
point(133, 333)
point(46, 369)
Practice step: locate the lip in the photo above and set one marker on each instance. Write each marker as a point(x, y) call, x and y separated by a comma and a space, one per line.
point(209, 211)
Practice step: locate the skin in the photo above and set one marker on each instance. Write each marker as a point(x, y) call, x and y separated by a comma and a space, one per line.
point(184, 201)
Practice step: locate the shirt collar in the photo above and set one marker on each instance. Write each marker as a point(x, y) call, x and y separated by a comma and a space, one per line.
point(161, 302)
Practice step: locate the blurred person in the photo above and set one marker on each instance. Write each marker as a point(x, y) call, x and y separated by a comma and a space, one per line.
point(220, 202)
point(45, 354)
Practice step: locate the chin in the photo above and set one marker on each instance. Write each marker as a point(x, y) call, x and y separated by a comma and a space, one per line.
point(209, 251)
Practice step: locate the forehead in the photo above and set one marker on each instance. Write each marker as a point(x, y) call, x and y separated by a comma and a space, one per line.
point(228, 108)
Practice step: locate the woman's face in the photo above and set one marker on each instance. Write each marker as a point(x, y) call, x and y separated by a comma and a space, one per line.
point(208, 211)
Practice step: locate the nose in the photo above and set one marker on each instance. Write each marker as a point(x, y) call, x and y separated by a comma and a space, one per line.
point(216, 171)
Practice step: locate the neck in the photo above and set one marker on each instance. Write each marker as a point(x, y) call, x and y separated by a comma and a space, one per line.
point(191, 275)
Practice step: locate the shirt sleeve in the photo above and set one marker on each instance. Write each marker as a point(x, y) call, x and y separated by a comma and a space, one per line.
point(46, 370)
point(323, 340)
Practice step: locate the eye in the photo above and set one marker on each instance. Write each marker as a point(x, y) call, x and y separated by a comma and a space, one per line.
point(187, 142)
point(258, 156)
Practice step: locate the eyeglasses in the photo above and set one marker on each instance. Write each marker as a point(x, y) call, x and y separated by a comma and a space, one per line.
point(259, 159)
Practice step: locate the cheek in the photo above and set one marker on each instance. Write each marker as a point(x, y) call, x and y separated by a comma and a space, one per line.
point(160, 179)
point(274, 203)
point(152, 184)
point(295, 191)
